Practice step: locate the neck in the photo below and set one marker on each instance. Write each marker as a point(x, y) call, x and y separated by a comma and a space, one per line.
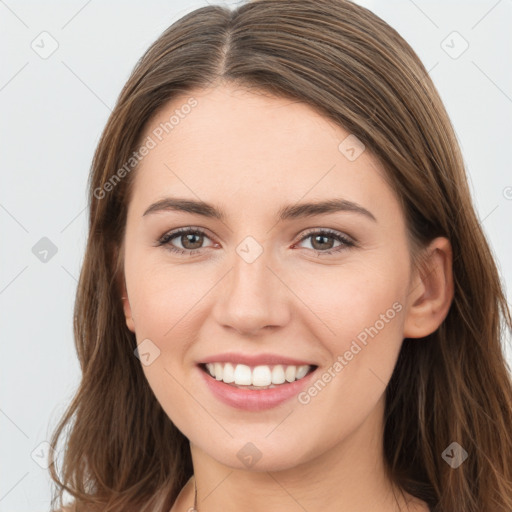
point(347, 477)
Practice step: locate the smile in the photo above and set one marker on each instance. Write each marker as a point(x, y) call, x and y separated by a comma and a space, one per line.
point(255, 388)
point(256, 377)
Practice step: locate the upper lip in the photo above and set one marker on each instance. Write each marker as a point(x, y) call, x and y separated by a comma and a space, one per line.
point(255, 359)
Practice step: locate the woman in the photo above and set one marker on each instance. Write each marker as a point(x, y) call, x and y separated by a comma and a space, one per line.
point(287, 301)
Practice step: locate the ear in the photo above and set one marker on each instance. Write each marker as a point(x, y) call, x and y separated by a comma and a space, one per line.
point(127, 308)
point(431, 290)
point(121, 286)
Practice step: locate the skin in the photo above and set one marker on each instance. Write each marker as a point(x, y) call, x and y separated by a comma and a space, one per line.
point(250, 154)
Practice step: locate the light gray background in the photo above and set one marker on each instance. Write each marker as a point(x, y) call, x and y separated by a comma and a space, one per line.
point(52, 113)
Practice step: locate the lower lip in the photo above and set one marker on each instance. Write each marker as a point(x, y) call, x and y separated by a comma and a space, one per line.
point(254, 399)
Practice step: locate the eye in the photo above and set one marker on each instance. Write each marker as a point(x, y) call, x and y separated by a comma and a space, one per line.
point(320, 241)
point(191, 240)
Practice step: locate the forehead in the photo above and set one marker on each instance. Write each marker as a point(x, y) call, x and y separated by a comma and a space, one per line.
point(251, 148)
point(256, 124)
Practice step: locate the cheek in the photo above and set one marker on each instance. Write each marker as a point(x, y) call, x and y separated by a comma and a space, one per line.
point(363, 306)
point(366, 314)
point(347, 299)
point(161, 294)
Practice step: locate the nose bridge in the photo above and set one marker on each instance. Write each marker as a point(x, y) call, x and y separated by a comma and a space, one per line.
point(252, 297)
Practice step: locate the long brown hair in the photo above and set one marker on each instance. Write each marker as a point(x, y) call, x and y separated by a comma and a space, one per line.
point(455, 386)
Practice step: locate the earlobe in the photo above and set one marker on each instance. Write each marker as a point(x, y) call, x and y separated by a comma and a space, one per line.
point(431, 291)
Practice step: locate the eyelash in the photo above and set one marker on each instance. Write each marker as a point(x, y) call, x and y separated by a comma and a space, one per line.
point(346, 243)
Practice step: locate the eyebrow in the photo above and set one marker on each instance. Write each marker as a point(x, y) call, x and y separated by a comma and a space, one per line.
point(289, 212)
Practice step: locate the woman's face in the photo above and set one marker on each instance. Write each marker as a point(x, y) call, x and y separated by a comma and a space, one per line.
point(266, 283)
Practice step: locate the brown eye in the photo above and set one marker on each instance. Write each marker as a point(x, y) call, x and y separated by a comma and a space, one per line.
point(320, 242)
point(323, 241)
point(191, 240)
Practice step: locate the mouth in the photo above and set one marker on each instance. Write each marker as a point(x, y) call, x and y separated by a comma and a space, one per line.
point(258, 377)
point(255, 382)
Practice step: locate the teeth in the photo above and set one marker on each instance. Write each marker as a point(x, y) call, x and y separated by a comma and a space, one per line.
point(228, 374)
point(242, 375)
point(219, 370)
point(261, 376)
point(290, 372)
point(301, 372)
point(258, 376)
point(278, 374)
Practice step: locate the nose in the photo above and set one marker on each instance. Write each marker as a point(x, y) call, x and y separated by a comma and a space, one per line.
point(252, 297)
